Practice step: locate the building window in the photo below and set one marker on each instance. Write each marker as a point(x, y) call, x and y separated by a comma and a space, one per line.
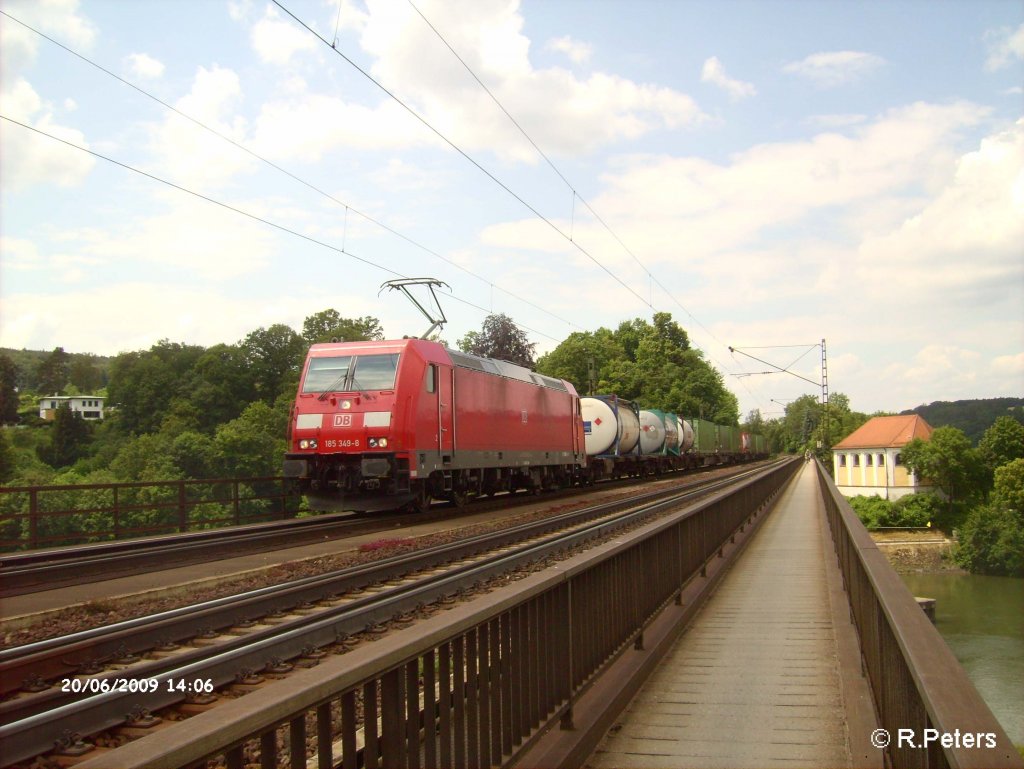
point(870, 460)
point(881, 460)
point(856, 460)
point(899, 459)
point(842, 460)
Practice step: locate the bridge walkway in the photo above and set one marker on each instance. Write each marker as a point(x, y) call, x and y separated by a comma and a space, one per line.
point(768, 674)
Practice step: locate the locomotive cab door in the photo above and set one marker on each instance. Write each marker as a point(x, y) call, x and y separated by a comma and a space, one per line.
point(440, 389)
point(446, 412)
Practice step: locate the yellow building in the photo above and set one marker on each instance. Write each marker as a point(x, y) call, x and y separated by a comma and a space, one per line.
point(868, 461)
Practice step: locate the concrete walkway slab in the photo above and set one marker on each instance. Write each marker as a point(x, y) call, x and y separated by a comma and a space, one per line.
point(756, 681)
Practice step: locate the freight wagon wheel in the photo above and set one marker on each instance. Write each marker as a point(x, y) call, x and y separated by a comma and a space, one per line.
point(458, 498)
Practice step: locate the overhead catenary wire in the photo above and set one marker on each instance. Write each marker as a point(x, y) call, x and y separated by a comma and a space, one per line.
point(242, 212)
point(462, 152)
point(295, 177)
point(575, 193)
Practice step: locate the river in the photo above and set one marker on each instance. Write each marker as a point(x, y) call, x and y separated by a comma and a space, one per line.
point(982, 621)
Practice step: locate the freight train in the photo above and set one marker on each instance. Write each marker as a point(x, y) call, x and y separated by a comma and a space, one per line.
point(386, 424)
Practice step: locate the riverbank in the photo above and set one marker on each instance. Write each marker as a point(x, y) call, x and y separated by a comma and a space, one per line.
point(918, 552)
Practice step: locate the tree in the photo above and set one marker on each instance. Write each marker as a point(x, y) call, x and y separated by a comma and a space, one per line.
point(143, 384)
point(69, 438)
point(580, 358)
point(7, 458)
point(949, 461)
point(500, 338)
point(53, 372)
point(649, 363)
point(84, 374)
point(274, 356)
point(328, 324)
point(1003, 442)
point(9, 400)
point(992, 536)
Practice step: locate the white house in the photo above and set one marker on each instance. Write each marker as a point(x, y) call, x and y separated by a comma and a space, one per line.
point(89, 406)
point(869, 462)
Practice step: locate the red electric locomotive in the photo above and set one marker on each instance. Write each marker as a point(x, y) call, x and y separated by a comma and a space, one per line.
point(379, 425)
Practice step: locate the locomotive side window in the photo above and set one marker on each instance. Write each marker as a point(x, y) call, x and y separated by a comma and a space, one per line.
point(430, 379)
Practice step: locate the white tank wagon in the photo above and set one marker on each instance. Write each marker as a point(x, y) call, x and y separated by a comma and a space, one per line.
point(659, 432)
point(611, 426)
point(652, 432)
point(685, 435)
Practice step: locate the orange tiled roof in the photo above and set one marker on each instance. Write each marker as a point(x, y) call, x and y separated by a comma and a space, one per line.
point(887, 432)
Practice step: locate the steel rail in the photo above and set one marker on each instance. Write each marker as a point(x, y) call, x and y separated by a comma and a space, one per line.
point(30, 735)
point(25, 572)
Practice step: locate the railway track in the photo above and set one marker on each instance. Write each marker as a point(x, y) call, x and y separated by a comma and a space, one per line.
point(114, 677)
point(23, 573)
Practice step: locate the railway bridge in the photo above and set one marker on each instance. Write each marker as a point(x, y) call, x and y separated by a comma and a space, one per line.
point(760, 627)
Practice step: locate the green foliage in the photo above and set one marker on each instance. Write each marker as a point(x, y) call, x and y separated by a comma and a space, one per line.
point(1009, 486)
point(9, 400)
point(274, 356)
point(328, 324)
point(948, 460)
point(873, 511)
point(911, 511)
point(972, 417)
point(650, 363)
point(992, 541)
point(69, 438)
point(143, 384)
point(500, 338)
point(53, 372)
point(1001, 443)
point(8, 460)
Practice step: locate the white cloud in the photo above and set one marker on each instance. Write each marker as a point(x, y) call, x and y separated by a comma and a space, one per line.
point(58, 18)
point(276, 39)
point(192, 156)
point(187, 313)
point(578, 53)
point(835, 68)
point(1005, 46)
point(31, 159)
point(28, 158)
point(713, 72)
point(967, 241)
point(563, 113)
point(144, 66)
point(190, 236)
point(835, 121)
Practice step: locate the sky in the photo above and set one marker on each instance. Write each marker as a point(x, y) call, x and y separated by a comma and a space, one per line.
point(772, 173)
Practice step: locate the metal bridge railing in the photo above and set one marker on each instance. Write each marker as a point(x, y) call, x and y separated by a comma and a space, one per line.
point(475, 684)
point(916, 682)
point(33, 517)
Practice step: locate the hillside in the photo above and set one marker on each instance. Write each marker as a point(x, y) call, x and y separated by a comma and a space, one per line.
point(87, 371)
point(971, 416)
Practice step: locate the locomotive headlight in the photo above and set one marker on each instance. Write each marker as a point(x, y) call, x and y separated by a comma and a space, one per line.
point(378, 443)
point(308, 443)
point(383, 443)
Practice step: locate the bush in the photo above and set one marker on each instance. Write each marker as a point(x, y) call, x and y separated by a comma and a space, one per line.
point(992, 542)
point(917, 510)
point(911, 511)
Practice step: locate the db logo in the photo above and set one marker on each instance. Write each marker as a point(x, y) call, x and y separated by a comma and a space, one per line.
point(342, 420)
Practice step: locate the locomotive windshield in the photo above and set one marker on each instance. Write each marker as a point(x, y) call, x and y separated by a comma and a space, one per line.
point(351, 372)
